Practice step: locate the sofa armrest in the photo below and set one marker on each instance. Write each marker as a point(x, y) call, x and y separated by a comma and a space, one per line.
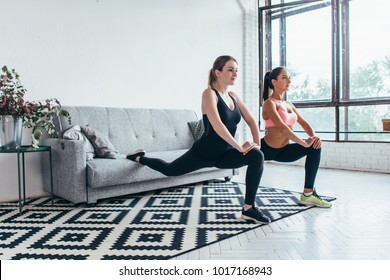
point(69, 169)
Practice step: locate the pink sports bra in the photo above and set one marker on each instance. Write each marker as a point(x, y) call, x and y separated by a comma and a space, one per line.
point(289, 118)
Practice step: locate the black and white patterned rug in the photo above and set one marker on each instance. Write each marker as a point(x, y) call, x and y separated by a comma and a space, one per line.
point(153, 225)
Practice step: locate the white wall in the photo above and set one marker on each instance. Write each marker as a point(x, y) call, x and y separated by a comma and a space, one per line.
point(149, 53)
point(118, 53)
point(374, 157)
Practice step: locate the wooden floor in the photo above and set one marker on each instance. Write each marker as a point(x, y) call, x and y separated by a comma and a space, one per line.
point(357, 227)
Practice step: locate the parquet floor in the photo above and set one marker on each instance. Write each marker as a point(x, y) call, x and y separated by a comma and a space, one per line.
point(357, 227)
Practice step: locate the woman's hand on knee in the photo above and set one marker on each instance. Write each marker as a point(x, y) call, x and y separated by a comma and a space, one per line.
point(247, 146)
point(316, 142)
point(308, 142)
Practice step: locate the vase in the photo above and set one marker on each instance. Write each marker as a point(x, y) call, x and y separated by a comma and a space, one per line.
point(11, 129)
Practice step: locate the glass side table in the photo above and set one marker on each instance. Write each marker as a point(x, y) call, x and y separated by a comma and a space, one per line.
point(21, 151)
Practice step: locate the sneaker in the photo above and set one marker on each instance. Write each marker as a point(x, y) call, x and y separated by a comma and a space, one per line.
point(254, 214)
point(315, 200)
point(133, 155)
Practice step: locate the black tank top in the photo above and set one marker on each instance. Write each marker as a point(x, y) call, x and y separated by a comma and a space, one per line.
point(211, 146)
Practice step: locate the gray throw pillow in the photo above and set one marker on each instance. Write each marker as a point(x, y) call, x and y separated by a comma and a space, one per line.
point(74, 133)
point(197, 128)
point(103, 146)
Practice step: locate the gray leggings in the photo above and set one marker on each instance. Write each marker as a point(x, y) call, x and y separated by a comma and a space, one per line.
point(229, 160)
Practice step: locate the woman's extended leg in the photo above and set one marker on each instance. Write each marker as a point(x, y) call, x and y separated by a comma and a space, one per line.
point(232, 159)
point(182, 165)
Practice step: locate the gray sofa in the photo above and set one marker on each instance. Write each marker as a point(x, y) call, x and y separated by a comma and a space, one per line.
point(162, 133)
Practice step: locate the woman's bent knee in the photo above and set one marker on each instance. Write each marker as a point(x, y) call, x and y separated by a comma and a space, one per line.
point(256, 155)
point(314, 151)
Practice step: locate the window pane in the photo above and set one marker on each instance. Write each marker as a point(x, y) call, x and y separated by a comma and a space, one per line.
point(322, 120)
point(308, 55)
point(369, 48)
point(364, 123)
point(275, 44)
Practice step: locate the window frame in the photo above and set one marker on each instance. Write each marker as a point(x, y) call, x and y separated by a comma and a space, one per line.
point(339, 99)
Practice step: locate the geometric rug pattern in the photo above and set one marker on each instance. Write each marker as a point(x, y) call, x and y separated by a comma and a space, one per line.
point(148, 226)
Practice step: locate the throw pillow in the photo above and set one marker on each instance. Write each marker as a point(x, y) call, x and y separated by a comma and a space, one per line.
point(197, 128)
point(74, 133)
point(103, 146)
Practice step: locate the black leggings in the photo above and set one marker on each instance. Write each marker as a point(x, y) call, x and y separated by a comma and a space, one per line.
point(293, 152)
point(231, 159)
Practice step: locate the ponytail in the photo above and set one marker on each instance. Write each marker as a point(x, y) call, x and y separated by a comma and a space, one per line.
point(212, 78)
point(268, 77)
point(267, 85)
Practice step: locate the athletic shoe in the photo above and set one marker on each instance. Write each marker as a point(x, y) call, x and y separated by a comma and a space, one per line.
point(315, 200)
point(254, 214)
point(138, 153)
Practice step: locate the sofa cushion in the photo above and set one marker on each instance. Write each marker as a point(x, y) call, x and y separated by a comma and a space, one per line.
point(103, 147)
point(103, 172)
point(197, 128)
point(74, 133)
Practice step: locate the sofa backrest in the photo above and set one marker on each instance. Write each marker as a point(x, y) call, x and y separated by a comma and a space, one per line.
point(129, 129)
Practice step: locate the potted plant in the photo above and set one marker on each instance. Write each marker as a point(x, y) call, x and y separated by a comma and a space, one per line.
point(16, 112)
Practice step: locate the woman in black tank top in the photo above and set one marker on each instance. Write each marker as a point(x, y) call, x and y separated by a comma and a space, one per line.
point(222, 110)
point(211, 146)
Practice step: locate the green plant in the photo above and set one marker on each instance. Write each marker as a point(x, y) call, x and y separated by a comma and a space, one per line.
point(37, 115)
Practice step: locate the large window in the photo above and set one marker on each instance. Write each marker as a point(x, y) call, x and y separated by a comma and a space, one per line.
point(338, 57)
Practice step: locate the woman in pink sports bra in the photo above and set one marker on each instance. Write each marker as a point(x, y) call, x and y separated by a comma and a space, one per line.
point(280, 117)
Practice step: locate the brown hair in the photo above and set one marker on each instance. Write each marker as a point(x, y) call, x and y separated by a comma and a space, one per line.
point(269, 76)
point(219, 63)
